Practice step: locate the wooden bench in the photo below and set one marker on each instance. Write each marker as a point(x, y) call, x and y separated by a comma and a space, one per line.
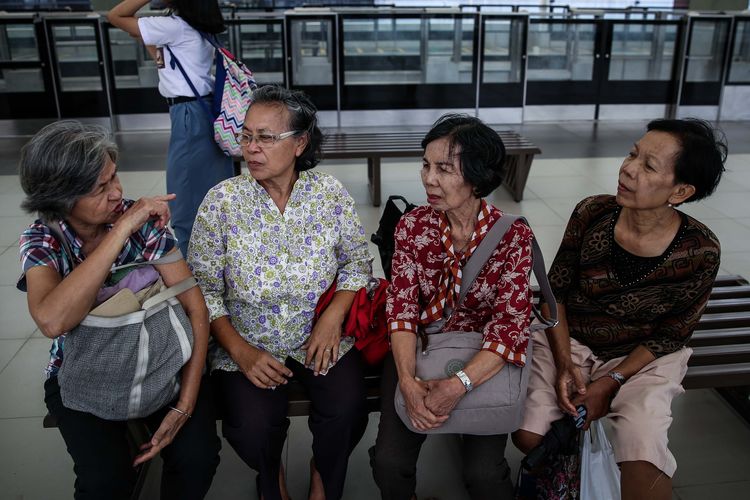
point(721, 356)
point(373, 146)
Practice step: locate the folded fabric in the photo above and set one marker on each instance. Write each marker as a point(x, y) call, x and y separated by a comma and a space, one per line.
point(365, 320)
point(136, 280)
point(123, 302)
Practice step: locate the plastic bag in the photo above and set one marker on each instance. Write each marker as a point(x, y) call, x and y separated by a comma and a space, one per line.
point(600, 475)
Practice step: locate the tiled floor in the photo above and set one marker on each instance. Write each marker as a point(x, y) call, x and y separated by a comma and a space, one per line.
point(711, 443)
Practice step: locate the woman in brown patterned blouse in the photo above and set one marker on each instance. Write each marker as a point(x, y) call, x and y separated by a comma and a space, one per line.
point(632, 278)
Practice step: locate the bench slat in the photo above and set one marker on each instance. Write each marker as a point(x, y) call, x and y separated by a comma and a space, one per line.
point(724, 375)
point(716, 354)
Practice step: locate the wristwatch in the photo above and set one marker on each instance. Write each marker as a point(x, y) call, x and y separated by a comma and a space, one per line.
point(617, 377)
point(464, 380)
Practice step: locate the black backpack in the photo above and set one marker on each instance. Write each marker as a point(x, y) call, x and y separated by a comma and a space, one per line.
point(383, 237)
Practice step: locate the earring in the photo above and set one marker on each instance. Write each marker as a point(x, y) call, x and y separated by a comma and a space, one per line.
point(670, 205)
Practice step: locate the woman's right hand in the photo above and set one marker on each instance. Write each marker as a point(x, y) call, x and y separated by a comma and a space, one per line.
point(414, 392)
point(569, 380)
point(262, 369)
point(145, 209)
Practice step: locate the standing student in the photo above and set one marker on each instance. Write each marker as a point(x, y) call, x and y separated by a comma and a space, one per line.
point(194, 162)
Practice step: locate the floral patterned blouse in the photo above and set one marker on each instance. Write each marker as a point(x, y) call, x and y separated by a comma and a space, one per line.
point(498, 304)
point(266, 270)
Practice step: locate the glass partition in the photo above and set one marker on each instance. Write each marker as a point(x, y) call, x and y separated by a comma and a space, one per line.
point(739, 71)
point(706, 50)
point(19, 55)
point(133, 66)
point(561, 51)
point(261, 48)
point(642, 51)
point(503, 51)
point(312, 51)
point(77, 57)
point(408, 50)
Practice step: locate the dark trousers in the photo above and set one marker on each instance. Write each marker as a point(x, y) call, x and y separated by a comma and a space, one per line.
point(255, 420)
point(394, 457)
point(102, 458)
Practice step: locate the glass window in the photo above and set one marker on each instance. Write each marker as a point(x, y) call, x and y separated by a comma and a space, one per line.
point(642, 51)
point(21, 80)
point(262, 50)
point(739, 71)
point(77, 57)
point(705, 53)
point(312, 51)
point(503, 45)
point(133, 65)
point(561, 51)
point(414, 50)
point(18, 43)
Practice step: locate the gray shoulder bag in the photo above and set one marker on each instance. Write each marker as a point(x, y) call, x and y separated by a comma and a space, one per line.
point(496, 406)
point(127, 366)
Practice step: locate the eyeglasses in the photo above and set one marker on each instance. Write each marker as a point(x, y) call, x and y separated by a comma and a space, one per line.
point(263, 138)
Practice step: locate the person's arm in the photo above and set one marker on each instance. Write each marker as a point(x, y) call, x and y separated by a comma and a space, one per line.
point(506, 334)
point(190, 379)
point(207, 258)
point(402, 316)
point(59, 304)
point(123, 16)
point(354, 271)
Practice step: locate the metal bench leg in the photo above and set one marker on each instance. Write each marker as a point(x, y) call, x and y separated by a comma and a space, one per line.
point(373, 179)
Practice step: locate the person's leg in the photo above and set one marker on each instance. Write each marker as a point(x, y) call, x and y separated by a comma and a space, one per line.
point(338, 417)
point(641, 414)
point(195, 164)
point(99, 448)
point(485, 471)
point(394, 457)
point(540, 407)
point(255, 424)
point(190, 461)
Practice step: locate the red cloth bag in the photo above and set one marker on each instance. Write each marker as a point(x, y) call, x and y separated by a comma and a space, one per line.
point(365, 321)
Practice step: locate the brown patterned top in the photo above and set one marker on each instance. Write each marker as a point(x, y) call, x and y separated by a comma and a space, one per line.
point(659, 311)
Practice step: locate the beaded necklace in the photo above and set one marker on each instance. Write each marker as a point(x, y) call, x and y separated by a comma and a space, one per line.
point(628, 269)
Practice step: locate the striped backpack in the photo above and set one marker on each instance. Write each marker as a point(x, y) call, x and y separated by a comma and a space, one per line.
point(233, 94)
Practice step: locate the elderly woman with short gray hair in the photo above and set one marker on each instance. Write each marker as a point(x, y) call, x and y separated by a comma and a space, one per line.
point(265, 247)
point(69, 174)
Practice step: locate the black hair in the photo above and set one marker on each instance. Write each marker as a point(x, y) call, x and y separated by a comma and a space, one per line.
point(303, 119)
point(202, 15)
point(482, 150)
point(703, 151)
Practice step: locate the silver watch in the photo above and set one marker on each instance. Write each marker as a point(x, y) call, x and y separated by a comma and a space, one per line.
point(464, 380)
point(617, 376)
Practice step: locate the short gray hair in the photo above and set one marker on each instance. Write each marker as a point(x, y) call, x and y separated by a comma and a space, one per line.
point(304, 118)
point(61, 164)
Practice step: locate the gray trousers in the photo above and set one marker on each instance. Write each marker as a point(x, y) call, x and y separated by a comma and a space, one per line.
point(394, 457)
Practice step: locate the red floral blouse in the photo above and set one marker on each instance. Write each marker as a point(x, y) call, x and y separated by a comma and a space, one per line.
point(498, 303)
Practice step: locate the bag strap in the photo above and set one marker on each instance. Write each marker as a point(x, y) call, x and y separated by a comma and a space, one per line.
point(485, 249)
point(176, 62)
point(170, 292)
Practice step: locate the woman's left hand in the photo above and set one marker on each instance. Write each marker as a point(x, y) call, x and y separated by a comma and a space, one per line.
point(323, 345)
point(443, 395)
point(170, 426)
point(597, 399)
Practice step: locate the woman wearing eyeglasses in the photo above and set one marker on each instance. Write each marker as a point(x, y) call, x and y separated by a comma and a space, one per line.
point(265, 247)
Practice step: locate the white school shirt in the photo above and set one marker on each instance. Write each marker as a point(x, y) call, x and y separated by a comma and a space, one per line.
point(194, 53)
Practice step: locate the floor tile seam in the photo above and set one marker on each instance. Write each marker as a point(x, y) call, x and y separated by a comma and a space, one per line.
point(26, 341)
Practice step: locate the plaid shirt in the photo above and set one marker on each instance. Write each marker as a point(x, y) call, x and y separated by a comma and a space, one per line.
point(426, 276)
point(39, 247)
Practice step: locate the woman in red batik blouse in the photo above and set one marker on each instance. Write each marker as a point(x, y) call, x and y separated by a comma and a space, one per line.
point(463, 162)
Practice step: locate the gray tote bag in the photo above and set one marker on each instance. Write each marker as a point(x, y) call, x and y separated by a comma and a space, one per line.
point(496, 406)
point(128, 366)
